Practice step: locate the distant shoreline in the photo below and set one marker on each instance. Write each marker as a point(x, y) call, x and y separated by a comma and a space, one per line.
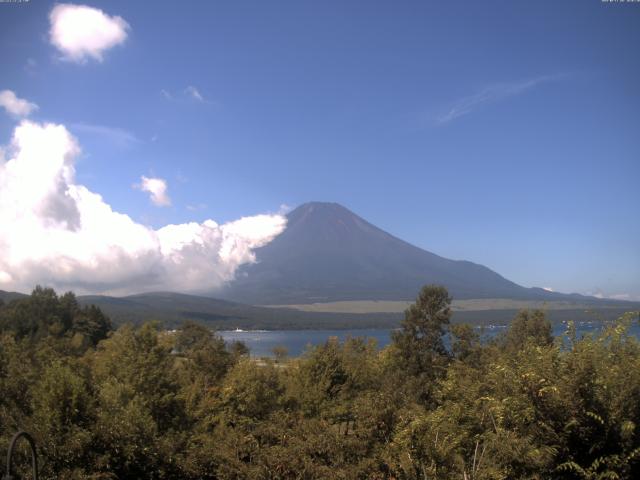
point(474, 305)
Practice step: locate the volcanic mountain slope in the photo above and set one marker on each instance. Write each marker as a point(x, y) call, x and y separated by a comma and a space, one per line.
point(328, 253)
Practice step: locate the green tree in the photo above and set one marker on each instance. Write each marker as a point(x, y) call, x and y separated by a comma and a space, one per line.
point(280, 352)
point(45, 314)
point(419, 351)
point(63, 414)
point(529, 326)
point(465, 342)
point(140, 417)
point(202, 361)
point(251, 392)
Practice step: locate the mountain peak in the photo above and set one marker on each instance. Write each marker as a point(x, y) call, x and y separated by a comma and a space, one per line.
point(328, 253)
point(319, 205)
point(319, 208)
point(326, 221)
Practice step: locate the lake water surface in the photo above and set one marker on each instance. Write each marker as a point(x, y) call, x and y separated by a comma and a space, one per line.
point(261, 342)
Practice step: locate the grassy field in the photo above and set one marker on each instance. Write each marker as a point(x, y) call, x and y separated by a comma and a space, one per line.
point(475, 305)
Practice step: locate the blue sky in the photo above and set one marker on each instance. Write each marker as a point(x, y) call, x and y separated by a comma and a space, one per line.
point(501, 132)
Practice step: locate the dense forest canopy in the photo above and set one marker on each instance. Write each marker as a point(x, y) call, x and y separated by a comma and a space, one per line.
point(142, 402)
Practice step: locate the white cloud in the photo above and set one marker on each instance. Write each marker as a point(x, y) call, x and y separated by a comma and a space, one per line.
point(194, 93)
point(56, 232)
point(599, 293)
point(596, 292)
point(157, 189)
point(491, 94)
point(18, 107)
point(80, 32)
point(284, 209)
point(548, 289)
point(625, 296)
point(620, 296)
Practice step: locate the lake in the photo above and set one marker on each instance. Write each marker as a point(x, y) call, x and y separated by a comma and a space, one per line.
point(261, 342)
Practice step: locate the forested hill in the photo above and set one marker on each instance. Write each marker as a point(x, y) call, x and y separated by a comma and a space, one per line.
point(8, 296)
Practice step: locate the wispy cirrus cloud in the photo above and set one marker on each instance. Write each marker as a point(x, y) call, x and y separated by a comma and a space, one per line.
point(117, 136)
point(190, 93)
point(196, 207)
point(194, 93)
point(491, 94)
point(31, 66)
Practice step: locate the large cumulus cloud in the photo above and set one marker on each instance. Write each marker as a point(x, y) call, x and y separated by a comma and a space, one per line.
point(80, 32)
point(57, 232)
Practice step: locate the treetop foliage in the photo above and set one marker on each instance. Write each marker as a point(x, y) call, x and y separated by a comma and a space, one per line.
point(45, 314)
point(143, 402)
